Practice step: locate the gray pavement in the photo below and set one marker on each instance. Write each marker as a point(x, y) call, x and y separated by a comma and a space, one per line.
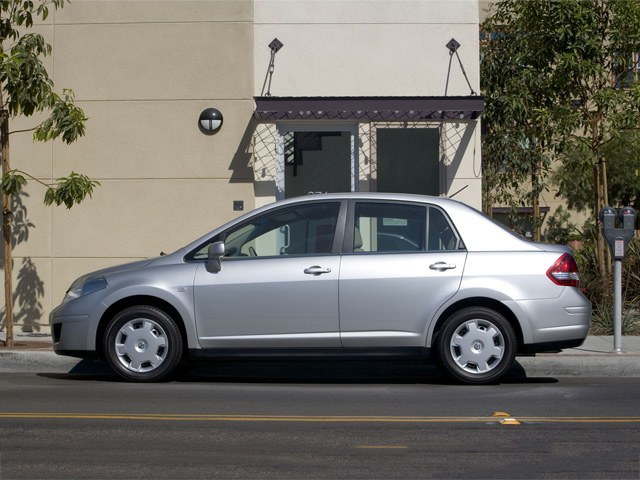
point(595, 358)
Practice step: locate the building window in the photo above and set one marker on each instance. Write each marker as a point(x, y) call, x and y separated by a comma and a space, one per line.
point(629, 74)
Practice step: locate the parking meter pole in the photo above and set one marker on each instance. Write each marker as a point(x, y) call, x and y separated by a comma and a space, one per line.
point(617, 307)
point(618, 240)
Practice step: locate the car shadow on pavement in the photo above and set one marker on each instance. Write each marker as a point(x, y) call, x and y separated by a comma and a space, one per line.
point(299, 371)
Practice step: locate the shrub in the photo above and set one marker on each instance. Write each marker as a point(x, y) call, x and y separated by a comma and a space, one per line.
point(599, 290)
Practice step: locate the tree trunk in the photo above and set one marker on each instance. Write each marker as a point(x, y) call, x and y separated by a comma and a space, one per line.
point(535, 201)
point(536, 216)
point(488, 202)
point(597, 208)
point(6, 228)
point(605, 203)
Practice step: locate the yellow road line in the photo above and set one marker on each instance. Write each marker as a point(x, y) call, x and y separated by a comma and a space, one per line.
point(381, 446)
point(301, 418)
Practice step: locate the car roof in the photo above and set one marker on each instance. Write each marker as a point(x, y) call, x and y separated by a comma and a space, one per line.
point(402, 197)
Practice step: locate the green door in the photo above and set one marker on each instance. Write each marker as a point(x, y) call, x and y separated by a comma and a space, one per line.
point(408, 160)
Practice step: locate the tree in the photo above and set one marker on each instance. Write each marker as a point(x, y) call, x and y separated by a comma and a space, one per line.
point(623, 173)
point(26, 89)
point(562, 72)
point(515, 164)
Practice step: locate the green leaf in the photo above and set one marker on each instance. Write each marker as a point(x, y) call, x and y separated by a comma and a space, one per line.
point(13, 182)
point(66, 120)
point(70, 190)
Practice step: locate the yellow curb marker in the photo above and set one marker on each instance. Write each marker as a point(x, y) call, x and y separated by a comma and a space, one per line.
point(509, 421)
point(506, 419)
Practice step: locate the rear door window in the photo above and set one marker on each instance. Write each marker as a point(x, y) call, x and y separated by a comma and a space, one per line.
point(395, 227)
point(381, 227)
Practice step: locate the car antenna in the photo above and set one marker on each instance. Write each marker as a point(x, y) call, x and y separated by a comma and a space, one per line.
point(451, 196)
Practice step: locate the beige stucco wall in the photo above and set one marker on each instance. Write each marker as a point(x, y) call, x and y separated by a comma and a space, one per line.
point(335, 48)
point(144, 70)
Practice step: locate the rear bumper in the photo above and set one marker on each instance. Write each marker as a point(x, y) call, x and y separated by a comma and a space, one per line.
point(563, 322)
point(551, 347)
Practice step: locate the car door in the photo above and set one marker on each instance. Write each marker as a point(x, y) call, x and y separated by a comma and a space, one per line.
point(406, 261)
point(278, 285)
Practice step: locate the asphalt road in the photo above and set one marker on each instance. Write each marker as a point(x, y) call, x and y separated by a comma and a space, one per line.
point(316, 421)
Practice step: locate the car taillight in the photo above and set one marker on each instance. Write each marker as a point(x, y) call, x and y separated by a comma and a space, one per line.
point(564, 272)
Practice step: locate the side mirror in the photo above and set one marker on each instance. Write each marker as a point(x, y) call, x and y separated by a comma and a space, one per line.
point(216, 252)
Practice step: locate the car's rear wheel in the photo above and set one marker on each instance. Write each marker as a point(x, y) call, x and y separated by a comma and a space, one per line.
point(143, 344)
point(476, 345)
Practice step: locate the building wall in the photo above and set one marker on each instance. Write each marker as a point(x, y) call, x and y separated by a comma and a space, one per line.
point(363, 47)
point(144, 70)
point(372, 48)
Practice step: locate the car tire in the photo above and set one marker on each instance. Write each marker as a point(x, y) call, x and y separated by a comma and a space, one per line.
point(143, 344)
point(476, 345)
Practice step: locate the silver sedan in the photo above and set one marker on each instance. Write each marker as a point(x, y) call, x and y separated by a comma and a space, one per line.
point(363, 275)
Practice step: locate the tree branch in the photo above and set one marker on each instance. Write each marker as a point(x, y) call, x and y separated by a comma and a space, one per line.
point(48, 186)
point(26, 130)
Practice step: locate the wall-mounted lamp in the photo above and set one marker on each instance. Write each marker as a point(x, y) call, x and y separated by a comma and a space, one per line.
point(210, 121)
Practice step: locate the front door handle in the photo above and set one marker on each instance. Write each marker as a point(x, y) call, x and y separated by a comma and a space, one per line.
point(441, 266)
point(316, 270)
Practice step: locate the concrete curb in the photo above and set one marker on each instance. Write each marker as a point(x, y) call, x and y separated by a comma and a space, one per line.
point(581, 366)
point(28, 361)
point(603, 365)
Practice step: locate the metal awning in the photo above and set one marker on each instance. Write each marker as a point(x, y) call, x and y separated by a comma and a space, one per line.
point(386, 109)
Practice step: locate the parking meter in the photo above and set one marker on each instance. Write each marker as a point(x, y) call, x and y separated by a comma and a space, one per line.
point(618, 238)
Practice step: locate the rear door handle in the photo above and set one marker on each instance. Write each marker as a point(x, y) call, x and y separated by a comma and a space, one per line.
point(316, 270)
point(442, 266)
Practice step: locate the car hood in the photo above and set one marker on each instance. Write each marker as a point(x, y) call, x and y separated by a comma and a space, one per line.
point(117, 269)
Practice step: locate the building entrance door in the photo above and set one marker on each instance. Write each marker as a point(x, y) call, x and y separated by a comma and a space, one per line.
point(408, 160)
point(316, 159)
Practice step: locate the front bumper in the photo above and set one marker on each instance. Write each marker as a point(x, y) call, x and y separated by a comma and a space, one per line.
point(73, 329)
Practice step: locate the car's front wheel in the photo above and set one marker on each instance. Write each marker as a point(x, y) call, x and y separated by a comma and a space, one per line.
point(476, 345)
point(143, 344)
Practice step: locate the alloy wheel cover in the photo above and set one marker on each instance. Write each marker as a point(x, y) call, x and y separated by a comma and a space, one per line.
point(141, 345)
point(477, 346)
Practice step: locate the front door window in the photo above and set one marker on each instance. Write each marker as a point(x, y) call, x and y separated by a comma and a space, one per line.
point(302, 230)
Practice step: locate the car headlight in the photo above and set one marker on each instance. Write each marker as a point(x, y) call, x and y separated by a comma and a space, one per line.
point(84, 286)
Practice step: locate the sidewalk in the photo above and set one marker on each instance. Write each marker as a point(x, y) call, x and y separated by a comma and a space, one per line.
point(595, 358)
